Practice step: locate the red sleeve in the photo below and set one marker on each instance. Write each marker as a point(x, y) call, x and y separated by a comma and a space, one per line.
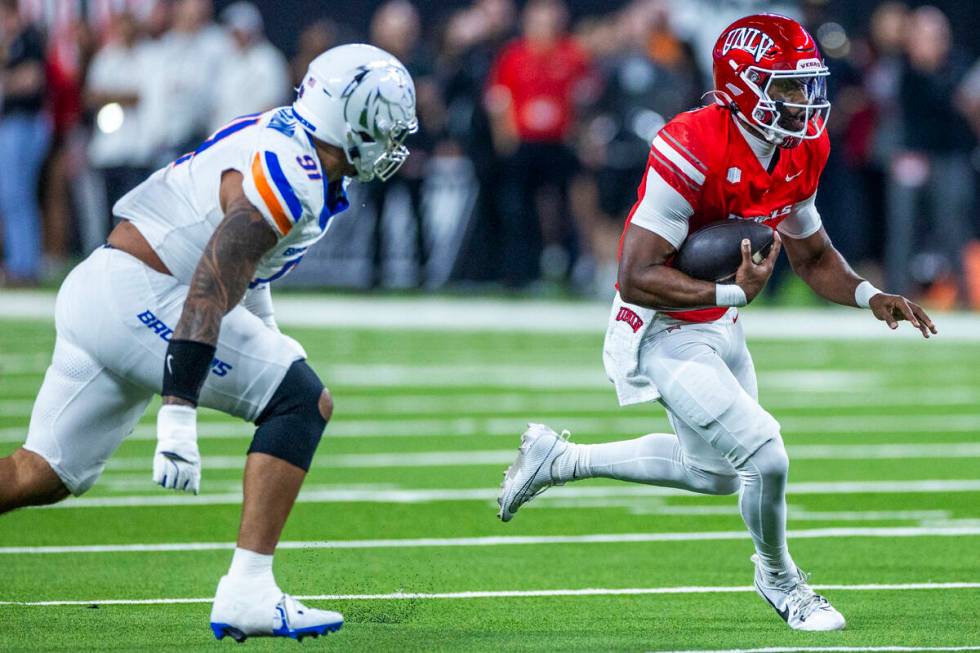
point(680, 156)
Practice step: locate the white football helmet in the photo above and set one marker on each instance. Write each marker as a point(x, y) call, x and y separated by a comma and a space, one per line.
point(361, 99)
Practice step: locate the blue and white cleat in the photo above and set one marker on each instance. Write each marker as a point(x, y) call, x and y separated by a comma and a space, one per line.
point(531, 473)
point(242, 612)
point(796, 602)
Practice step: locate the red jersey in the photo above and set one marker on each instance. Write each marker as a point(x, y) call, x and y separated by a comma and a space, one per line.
point(703, 156)
point(541, 85)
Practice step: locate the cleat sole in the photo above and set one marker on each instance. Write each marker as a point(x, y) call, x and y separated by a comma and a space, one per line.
point(225, 630)
point(222, 630)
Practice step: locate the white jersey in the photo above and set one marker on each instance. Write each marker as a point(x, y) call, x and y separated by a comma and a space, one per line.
point(178, 208)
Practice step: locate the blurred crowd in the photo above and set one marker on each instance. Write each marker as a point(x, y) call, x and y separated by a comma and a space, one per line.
point(551, 118)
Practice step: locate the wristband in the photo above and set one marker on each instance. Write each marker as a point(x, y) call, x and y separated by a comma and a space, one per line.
point(729, 294)
point(863, 294)
point(185, 367)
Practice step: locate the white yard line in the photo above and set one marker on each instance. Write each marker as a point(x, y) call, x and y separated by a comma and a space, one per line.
point(629, 591)
point(506, 456)
point(533, 315)
point(611, 426)
point(409, 403)
point(504, 540)
point(884, 451)
point(331, 494)
point(510, 375)
point(830, 649)
point(658, 506)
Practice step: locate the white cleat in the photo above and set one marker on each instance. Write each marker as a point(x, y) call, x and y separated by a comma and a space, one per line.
point(241, 611)
point(531, 473)
point(798, 605)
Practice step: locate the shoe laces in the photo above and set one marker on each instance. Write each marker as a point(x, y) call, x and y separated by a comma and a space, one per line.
point(802, 595)
point(563, 436)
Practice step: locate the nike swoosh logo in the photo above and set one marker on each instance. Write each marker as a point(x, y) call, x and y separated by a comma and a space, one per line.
point(792, 177)
point(784, 613)
point(170, 367)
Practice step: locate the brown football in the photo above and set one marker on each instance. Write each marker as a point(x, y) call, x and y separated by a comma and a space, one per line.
point(714, 253)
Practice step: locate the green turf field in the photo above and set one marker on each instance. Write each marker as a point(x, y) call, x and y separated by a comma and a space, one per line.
point(398, 514)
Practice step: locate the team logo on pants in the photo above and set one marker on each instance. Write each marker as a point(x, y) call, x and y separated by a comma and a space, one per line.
point(630, 317)
point(157, 326)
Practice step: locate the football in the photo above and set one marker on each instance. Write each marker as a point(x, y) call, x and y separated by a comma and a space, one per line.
point(714, 252)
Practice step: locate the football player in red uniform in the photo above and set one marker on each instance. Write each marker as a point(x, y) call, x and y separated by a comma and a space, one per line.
point(755, 154)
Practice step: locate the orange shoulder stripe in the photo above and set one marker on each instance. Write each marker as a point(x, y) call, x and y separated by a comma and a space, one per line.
point(265, 190)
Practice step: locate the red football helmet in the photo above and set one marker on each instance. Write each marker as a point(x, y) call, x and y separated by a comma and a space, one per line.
point(768, 70)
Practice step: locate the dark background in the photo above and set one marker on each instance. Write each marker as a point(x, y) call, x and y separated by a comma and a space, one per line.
point(284, 19)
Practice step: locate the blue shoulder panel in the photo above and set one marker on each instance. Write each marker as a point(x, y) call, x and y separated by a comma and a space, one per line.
point(282, 121)
point(275, 170)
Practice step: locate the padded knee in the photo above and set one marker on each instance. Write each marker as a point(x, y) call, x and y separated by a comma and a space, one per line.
point(291, 425)
point(770, 460)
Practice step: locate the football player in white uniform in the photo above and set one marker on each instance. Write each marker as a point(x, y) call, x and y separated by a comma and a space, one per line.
point(177, 303)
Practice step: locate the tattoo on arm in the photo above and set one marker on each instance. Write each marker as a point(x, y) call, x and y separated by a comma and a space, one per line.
point(224, 271)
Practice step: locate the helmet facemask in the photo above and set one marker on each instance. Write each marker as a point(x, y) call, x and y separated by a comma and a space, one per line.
point(379, 109)
point(792, 105)
point(379, 158)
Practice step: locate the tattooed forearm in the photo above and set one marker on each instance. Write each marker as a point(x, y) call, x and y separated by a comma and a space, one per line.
point(223, 273)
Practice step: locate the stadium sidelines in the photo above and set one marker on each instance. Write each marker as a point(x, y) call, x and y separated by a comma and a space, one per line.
point(591, 591)
point(504, 540)
point(333, 494)
point(485, 314)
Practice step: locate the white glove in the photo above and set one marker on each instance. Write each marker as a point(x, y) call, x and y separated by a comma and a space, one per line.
point(177, 462)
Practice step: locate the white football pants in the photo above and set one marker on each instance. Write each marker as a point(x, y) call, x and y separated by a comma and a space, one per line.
point(724, 441)
point(113, 317)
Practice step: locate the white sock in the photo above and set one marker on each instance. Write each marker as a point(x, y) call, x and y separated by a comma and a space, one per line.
point(654, 459)
point(251, 567)
point(571, 465)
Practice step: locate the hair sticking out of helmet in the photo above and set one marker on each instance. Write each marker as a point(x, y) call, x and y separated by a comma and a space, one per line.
point(361, 99)
point(770, 73)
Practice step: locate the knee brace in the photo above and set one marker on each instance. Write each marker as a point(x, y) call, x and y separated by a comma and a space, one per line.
point(291, 425)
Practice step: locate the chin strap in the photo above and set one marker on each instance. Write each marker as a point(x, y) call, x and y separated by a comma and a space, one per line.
point(770, 137)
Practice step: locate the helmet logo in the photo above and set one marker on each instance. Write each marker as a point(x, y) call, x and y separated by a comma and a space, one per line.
point(750, 39)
